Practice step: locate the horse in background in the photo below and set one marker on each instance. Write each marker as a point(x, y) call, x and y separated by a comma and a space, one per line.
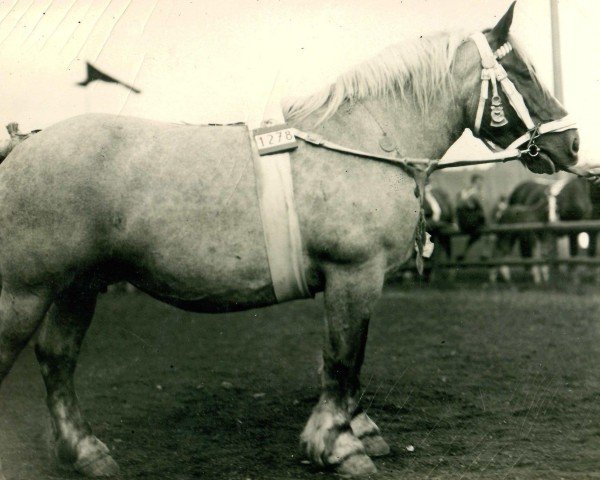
point(536, 201)
point(442, 216)
point(594, 190)
point(470, 214)
point(592, 212)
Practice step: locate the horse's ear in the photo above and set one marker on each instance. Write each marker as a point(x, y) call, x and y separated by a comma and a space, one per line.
point(500, 32)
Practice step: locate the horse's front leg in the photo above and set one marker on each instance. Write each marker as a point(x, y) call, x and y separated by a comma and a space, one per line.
point(329, 439)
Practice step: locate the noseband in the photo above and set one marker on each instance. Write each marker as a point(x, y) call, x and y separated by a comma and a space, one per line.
point(493, 72)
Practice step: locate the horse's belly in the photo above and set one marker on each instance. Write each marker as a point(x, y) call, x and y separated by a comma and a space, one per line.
point(203, 277)
point(218, 303)
point(192, 232)
point(207, 268)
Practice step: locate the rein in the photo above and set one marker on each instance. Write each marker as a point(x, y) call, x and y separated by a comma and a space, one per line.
point(425, 164)
point(319, 141)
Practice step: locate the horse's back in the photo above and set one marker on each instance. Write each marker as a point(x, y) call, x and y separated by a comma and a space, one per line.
point(528, 193)
point(573, 201)
point(528, 202)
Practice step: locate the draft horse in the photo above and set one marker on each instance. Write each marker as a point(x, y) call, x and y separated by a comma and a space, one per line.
point(528, 202)
point(441, 216)
point(535, 201)
point(582, 202)
point(174, 211)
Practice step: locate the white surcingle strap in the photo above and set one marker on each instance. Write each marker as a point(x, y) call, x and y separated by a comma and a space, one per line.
point(279, 217)
point(493, 70)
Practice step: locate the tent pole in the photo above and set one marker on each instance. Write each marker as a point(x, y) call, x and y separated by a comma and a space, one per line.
point(556, 58)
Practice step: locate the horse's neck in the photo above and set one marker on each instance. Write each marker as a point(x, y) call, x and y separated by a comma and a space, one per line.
point(415, 133)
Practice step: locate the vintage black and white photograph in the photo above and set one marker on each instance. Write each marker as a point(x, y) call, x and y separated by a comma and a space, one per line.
point(299, 239)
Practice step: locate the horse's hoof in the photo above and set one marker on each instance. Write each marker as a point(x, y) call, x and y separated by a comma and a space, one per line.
point(101, 466)
point(375, 446)
point(95, 460)
point(355, 465)
point(368, 433)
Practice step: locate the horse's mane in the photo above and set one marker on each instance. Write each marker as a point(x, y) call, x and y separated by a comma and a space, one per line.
point(420, 67)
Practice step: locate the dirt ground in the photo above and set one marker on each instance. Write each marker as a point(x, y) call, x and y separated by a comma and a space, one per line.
point(483, 384)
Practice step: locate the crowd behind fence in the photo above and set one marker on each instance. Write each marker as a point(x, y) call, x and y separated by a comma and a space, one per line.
point(555, 229)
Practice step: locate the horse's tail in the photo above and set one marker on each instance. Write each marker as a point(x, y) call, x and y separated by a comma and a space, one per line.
point(5, 148)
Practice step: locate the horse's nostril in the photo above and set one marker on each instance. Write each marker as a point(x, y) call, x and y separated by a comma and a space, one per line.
point(575, 146)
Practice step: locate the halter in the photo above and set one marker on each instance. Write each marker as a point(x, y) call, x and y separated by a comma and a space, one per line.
point(493, 72)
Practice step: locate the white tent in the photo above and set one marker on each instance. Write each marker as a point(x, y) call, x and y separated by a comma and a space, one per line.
point(216, 61)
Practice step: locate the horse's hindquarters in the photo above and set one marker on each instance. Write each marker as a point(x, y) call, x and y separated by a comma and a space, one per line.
point(176, 206)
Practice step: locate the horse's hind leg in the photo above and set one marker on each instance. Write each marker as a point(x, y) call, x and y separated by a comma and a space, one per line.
point(593, 245)
point(573, 244)
point(328, 437)
point(57, 350)
point(20, 314)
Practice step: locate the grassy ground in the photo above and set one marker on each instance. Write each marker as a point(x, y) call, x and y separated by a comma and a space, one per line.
point(483, 384)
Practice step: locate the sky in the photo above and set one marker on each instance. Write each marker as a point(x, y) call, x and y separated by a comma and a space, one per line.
point(216, 61)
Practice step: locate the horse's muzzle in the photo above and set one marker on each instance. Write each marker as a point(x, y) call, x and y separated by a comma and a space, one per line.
point(563, 147)
point(572, 140)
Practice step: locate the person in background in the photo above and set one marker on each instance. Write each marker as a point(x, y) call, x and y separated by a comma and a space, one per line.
point(470, 214)
point(499, 209)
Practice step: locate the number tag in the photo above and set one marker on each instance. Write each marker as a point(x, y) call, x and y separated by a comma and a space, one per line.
point(278, 138)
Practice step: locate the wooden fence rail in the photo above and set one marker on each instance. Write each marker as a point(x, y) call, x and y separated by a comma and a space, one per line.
point(514, 262)
point(553, 228)
point(559, 228)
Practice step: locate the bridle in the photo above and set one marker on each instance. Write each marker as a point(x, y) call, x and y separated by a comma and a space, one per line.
point(493, 73)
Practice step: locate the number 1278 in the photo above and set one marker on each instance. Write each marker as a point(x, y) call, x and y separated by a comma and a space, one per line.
point(274, 138)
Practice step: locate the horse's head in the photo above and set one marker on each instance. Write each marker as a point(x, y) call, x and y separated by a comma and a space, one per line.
point(513, 110)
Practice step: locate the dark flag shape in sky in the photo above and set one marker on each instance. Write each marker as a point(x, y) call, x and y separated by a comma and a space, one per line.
point(94, 74)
